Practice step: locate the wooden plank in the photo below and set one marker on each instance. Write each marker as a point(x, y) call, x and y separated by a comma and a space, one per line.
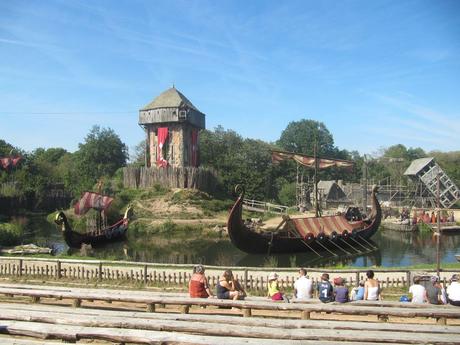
point(73, 333)
point(10, 340)
point(434, 311)
point(231, 320)
point(242, 330)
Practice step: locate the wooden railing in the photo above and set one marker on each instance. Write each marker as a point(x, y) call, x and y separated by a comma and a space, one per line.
point(253, 278)
point(260, 206)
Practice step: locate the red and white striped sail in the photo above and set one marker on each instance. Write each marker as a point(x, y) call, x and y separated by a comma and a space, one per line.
point(9, 162)
point(91, 200)
point(309, 161)
point(325, 224)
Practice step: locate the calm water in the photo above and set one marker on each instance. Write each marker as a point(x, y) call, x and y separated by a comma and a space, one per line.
point(395, 249)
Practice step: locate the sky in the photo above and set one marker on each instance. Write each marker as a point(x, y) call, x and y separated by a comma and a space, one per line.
point(376, 73)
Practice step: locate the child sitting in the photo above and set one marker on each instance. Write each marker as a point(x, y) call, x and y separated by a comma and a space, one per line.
point(357, 294)
point(273, 289)
point(340, 291)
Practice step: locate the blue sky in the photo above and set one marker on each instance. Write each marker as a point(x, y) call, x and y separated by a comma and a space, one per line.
point(377, 73)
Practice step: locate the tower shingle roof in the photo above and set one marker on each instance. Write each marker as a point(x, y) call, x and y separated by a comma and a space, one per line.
point(171, 98)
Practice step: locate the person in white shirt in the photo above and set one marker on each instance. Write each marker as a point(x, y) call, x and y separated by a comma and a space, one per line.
point(453, 291)
point(418, 292)
point(303, 286)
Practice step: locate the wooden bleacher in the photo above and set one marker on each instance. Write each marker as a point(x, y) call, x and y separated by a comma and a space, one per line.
point(172, 325)
point(58, 322)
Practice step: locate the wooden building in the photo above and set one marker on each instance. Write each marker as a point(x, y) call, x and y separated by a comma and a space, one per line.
point(172, 124)
point(435, 181)
point(330, 194)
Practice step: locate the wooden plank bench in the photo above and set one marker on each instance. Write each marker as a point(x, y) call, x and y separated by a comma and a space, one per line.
point(121, 326)
point(440, 313)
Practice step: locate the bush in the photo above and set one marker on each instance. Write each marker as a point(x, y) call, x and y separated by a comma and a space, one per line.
point(10, 234)
point(287, 194)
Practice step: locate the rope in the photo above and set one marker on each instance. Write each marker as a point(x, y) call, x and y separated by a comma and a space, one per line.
point(270, 244)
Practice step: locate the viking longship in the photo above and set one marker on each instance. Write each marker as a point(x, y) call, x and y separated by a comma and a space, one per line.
point(98, 232)
point(333, 234)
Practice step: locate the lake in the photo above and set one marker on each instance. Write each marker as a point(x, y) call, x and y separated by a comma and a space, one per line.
point(395, 249)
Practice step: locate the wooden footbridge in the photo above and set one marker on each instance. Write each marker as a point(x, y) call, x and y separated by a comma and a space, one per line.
point(141, 317)
point(261, 206)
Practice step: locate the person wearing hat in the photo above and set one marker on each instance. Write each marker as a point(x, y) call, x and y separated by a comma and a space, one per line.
point(273, 288)
point(417, 291)
point(198, 285)
point(453, 291)
point(340, 291)
point(434, 291)
point(325, 290)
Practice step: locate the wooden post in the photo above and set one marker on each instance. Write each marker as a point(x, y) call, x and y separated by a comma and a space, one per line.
point(245, 279)
point(247, 312)
point(151, 307)
point(441, 321)
point(76, 303)
point(145, 274)
point(408, 278)
point(382, 318)
point(20, 267)
point(305, 315)
point(58, 270)
point(184, 309)
point(357, 278)
point(100, 271)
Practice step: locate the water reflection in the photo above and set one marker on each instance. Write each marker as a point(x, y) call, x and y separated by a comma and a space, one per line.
point(395, 249)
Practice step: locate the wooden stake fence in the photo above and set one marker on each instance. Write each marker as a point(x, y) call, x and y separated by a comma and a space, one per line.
point(204, 179)
point(253, 278)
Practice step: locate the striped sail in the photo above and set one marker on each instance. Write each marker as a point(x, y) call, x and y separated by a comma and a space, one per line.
point(91, 200)
point(326, 225)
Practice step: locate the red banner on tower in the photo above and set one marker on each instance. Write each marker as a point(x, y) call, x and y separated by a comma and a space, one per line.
point(162, 137)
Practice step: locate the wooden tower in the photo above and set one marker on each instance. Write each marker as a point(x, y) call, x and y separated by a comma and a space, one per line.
point(430, 174)
point(171, 123)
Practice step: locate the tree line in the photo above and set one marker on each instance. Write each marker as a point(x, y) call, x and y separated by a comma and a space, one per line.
point(236, 159)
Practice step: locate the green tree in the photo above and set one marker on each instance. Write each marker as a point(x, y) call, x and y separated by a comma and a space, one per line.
point(300, 137)
point(100, 155)
point(238, 160)
point(450, 163)
point(138, 157)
